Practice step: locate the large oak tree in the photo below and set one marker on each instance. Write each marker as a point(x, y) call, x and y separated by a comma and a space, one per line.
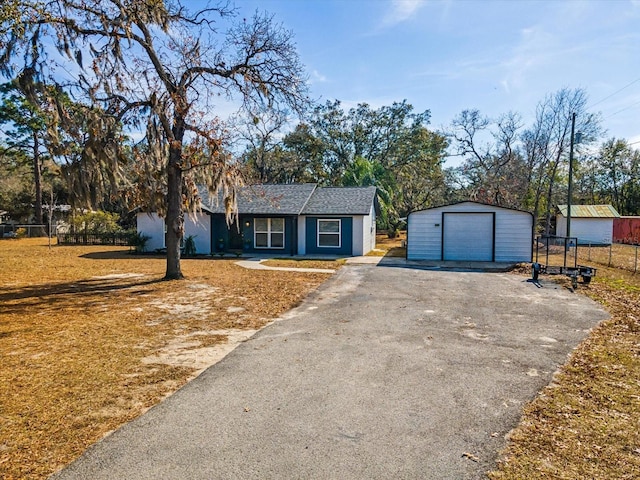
point(160, 70)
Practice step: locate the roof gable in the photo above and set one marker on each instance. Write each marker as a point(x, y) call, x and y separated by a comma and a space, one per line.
point(589, 211)
point(269, 199)
point(341, 201)
point(472, 202)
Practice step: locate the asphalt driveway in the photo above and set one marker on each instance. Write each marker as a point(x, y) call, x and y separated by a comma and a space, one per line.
point(383, 373)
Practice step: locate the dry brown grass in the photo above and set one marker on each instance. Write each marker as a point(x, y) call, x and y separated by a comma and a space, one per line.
point(616, 255)
point(586, 424)
point(624, 257)
point(90, 337)
point(389, 247)
point(304, 263)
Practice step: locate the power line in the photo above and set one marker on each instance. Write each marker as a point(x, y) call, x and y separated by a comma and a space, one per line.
point(622, 110)
point(614, 93)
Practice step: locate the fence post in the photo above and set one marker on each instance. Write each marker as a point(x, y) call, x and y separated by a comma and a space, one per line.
point(610, 252)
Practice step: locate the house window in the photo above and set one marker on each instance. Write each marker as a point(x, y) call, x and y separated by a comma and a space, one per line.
point(329, 233)
point(268, 232)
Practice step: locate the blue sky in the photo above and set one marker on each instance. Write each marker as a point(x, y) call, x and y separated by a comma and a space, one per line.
point(447, 56)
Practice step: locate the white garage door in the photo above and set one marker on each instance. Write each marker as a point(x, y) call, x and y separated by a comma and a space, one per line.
point(468, 236)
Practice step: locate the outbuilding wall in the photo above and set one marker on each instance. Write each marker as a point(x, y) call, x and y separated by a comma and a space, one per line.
point(626, 230)
point(512, 232)
point(586, 230)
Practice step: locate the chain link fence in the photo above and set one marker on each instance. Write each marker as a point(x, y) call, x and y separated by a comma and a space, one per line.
point(10, 230)
point(617, 255)
point(562, 251)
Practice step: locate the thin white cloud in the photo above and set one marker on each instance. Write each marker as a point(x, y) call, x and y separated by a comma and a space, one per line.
point(535, 47)
point(317, 77)
point(401, 11)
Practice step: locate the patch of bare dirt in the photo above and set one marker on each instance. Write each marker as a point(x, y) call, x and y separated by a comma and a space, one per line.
point(90, 337)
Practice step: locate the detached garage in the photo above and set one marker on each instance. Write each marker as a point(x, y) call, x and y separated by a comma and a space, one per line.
point(470, 231)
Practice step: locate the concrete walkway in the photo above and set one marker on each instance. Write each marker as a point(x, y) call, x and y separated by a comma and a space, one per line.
point(382, 373)
point(256, 264)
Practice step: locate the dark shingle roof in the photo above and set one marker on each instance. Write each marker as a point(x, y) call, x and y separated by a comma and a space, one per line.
point(340, 201)
point(265, 199)
point(297, 199)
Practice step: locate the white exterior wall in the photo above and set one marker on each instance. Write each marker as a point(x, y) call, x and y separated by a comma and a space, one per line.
point(369, 231)
point(424, 235)
point(357, 241)
point(514, 236)
point(596, 230)
point(513, 232)
point(302, 234)
point(199, 225)
point(152, 226)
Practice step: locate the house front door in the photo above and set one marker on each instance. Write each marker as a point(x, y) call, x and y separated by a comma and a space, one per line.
point(235, 236)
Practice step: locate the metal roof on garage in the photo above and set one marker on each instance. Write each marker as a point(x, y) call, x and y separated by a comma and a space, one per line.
point(471, 202)
point(590, 211)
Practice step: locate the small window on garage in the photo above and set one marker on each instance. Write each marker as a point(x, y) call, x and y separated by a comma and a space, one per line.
point(329, 233)
point(268, 232)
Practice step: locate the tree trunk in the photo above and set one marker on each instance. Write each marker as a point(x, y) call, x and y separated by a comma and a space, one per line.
point(37, 178)
point(175, 217)
point(552, 183)
point(536, 214)
point(547, 216)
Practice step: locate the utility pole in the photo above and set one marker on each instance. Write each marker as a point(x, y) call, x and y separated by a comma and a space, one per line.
point(570, 189)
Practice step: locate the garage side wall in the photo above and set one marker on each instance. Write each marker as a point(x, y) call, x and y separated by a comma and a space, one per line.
point(513, 232)
point(514, 236)
point(424, 235)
